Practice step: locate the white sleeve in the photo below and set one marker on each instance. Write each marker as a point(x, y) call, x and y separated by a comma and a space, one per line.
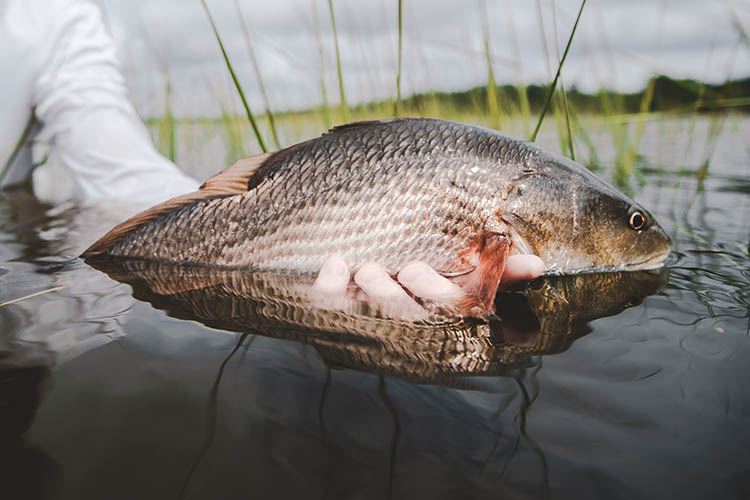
point(97, 137)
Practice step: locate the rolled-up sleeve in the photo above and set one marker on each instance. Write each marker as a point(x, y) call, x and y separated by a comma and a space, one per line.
point(97, 137)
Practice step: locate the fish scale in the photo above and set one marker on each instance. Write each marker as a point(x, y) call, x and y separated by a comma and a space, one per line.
point(395, 191)
point(295, 241)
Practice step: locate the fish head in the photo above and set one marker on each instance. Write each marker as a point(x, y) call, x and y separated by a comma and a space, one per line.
point(577, 222)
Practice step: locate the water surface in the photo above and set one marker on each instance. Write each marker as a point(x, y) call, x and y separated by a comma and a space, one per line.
point(113, 390)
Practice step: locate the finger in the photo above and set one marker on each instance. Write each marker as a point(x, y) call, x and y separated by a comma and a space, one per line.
point(377, 284)
point(426, 283)
point(333, 278)
point(386, 294)
point(521, 268)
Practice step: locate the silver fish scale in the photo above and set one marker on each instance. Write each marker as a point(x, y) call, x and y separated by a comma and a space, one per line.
point(389, 192)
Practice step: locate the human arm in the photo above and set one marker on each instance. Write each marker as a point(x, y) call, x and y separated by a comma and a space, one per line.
point(69, 74)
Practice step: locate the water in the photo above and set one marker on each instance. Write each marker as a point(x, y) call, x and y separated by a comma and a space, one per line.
point(103, 395)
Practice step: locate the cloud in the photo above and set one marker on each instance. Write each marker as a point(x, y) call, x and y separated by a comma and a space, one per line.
point(619, 45)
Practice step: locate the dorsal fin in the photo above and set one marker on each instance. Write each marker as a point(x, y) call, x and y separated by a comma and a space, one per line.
point(363, 123)
point(233, 180)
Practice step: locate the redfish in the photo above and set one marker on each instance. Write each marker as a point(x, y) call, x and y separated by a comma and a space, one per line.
point(460, 198)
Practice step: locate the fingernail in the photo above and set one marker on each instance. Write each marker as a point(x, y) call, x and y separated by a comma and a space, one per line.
point(538, 266)
point(369, 271)
point(334, 266)
point(412, 273)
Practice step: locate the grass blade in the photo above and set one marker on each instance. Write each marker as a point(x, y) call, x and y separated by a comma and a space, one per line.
point(492, 101)
point(324, 94)
point(235, 150)
point(167, 126)
point(236, 81)
point(557, 75)
point(19, 145)
point(567, 121)
point(36, 294)
point(521, 94)
point(397, 106)
point(256, 68)
point(344, 107)
point(562, 116)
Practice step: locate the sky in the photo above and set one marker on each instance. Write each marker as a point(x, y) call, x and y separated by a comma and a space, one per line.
point(619, 44)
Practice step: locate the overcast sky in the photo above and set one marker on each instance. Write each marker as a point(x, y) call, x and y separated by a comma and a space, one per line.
point(619, 45)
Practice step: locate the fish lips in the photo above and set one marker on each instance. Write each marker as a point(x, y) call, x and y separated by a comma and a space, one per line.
point(654, 262)
point(658, 260)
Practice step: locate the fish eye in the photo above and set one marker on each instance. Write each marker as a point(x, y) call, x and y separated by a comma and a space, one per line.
point(637, 220)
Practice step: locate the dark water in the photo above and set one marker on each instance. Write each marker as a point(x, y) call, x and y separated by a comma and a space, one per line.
point(103, 395)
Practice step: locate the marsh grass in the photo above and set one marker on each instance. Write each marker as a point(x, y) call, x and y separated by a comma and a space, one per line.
point(237, 84)
point(25, 135)
point(166, 129)
point(509, 107)
point(571, 151)
point(521, 97)
point(258, 76)
point(397, 104)
point(716, 126)
point(343, 106)
point(234, 138)
point(493, 104)
point(325, 109)
point(557, 75)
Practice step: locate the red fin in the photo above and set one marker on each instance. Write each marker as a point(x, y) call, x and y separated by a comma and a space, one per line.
point(481, 284)
point(233, 180)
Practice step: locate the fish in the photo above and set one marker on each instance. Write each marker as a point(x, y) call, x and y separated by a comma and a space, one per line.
point(460, 198)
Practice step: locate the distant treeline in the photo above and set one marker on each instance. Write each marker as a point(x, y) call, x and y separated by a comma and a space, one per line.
point(661, 94)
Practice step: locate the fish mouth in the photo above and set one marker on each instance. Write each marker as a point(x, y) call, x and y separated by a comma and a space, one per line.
point(654, 262)
point(520, 245)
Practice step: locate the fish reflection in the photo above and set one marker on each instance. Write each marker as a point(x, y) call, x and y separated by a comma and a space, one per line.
point(543, 319)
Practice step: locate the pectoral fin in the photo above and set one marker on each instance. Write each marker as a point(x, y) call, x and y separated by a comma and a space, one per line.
point(481, 284)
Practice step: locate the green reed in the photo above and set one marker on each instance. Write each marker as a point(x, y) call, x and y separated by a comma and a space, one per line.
point(167, 127)
point(321, 55)
point(571, 151)
point(249, 113)
point(562, 111)
point(397, 104)
point(492, 98)
point(21, 143)
point(258, 76)
point(524, 107)
point(557, 75)
point(716, 126)
point(233, 133)
point(344, 107)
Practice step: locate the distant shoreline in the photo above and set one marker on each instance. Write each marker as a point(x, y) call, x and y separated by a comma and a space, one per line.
point(666, 95)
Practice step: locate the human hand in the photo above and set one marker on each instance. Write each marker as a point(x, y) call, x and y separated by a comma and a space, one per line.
point(390, 297)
